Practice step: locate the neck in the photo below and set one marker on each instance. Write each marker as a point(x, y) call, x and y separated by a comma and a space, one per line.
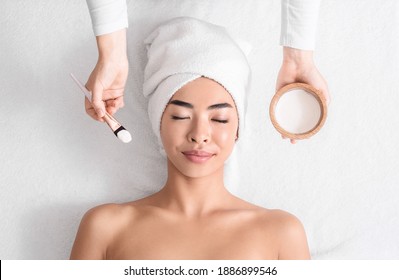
point(193, 197)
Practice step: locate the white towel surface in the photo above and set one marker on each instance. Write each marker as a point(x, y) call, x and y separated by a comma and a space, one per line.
point(56, 163)
point(184, 49)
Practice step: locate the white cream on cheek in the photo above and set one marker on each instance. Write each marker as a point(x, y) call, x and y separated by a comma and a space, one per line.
point(297, 111)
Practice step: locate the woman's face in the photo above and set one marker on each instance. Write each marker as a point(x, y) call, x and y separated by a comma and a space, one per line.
point(199, 128)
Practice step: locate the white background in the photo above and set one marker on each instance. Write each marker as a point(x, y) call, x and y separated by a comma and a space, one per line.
point(56, 163)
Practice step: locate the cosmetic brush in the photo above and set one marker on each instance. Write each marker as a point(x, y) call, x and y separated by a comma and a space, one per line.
point(120, 132)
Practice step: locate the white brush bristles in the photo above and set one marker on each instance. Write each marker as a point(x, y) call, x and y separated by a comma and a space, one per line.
point(124, 136)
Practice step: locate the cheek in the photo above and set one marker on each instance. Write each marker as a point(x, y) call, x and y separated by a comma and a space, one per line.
point(171, 134)
point(166, 140)
point(226, 136)
point(165, 133)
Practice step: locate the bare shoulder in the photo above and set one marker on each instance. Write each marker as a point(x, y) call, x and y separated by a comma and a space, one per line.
point(111, 212)
point(281, 232)
point(108, 216)
point(283, 218)
point(291, 235)
point(97, 228)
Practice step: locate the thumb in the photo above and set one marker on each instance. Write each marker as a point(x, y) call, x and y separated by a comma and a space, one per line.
point(97, 99)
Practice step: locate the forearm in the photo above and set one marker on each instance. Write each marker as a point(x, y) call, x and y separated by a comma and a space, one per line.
point(112, 46)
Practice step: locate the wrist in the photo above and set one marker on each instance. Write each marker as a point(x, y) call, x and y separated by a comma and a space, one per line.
point(297, 57)
point(112, 47)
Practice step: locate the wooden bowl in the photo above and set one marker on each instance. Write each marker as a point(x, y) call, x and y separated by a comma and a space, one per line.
point(320, 99)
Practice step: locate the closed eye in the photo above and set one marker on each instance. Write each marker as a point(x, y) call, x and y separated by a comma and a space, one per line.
point(179, 118)
point(220, 121)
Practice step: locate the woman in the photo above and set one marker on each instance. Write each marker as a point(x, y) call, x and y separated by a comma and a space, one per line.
point(196, 79)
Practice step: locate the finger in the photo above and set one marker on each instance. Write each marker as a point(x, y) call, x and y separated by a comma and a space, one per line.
point(282, 136)
point(120, 102)
point(293, 141)
point(91, 112)
point(117, 102)
point(324, 91)
point(112, 106)
point(327, 96)
point(323, 87)
point(112, 93)
point(97, 99)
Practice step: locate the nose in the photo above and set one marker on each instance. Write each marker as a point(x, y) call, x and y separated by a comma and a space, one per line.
point(199, 132)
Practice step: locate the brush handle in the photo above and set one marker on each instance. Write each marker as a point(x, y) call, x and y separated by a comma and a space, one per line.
point(82, 87)
point(111, 121)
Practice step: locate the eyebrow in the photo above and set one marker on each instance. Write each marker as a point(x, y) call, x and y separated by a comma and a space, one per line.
point(190, 106)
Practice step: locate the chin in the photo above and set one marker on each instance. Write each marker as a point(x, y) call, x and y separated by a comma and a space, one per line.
point(193, 170)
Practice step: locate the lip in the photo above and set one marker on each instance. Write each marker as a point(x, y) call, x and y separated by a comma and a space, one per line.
point(198, 156)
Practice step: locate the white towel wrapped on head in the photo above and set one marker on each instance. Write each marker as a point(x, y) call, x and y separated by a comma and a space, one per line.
point(185, 49)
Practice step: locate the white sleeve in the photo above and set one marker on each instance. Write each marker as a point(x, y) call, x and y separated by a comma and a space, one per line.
point(107, 15)
point(299, 23)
